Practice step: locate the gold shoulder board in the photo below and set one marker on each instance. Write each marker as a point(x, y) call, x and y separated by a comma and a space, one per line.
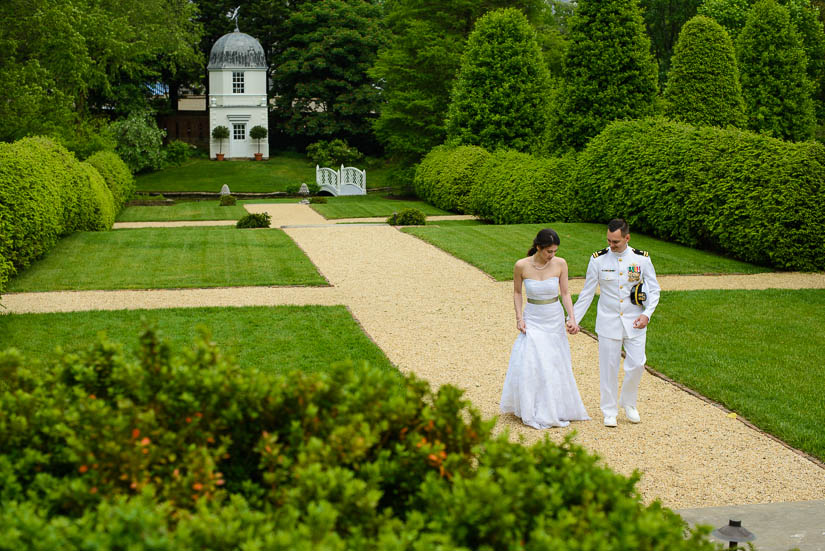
point(597, 254)
point(640, 252)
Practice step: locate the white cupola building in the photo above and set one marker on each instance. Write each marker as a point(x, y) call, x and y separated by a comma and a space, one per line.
point(237, 95)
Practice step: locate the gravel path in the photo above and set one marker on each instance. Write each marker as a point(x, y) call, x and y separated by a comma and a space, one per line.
point(448, 322)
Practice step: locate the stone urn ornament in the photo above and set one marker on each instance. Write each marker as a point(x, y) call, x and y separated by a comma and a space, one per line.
point(304, 190)
point(225, 190)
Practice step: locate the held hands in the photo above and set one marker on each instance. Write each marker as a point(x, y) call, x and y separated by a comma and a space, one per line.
point(521, 326)
point(641, 322)
point(572, 327)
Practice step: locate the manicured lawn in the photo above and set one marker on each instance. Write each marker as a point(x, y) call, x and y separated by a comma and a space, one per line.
point(158, 258)
point(269, 338)
point(243, 176)
point(367, 206)
point(188, 210)
point(494, 249)
point(757, 352)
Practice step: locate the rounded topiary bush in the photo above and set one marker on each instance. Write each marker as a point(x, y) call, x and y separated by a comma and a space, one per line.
point(407, 217)
point(228, 200)
point(518, 188)
point(116, 174)
point(255, 220)
point(186, 450)
point(753, 197)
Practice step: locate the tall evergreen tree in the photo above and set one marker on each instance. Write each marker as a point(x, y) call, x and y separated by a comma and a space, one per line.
point(609, 72)
point(416, 68)
point(499, 99)
point(320, 79)
point(703, 87)
point(772, 65)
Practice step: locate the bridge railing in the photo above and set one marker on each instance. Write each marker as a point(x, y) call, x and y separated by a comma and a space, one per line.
point(345, 181)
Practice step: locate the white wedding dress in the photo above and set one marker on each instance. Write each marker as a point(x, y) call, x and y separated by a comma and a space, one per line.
point(540, 387)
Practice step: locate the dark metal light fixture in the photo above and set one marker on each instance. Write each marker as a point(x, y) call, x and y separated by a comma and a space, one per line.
point(733, 533)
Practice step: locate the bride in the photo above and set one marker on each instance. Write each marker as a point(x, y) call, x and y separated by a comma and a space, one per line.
point(540, 387)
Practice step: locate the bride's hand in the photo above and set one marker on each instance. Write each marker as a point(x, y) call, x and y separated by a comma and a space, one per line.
point(521, 326)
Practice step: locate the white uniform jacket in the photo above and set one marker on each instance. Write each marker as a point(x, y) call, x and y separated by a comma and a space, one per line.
point(616, 274)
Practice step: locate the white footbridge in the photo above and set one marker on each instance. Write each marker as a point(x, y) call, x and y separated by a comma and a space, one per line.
point(346, 181)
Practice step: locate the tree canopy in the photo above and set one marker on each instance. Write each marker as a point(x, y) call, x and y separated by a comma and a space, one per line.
point(62, 63)
point(417, 65)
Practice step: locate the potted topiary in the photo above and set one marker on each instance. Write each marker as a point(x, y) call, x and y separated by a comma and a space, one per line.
point(220, 133)
point(258, 133)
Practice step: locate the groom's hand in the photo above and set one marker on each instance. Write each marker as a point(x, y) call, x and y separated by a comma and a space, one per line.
point(641, 322)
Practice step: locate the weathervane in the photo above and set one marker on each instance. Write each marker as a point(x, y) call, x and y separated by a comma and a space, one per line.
point(233, 15)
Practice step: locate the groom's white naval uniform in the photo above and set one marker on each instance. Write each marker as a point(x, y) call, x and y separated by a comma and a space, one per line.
point(616, 274)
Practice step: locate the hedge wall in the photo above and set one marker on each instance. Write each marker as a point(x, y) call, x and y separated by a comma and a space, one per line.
point(184, 450)
point(755, 198)
point(445, 176)
point(116, 174)
point(518, 188)
point(45, 192)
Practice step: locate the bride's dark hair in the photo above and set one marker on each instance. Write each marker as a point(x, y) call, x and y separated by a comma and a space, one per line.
point(544, 238)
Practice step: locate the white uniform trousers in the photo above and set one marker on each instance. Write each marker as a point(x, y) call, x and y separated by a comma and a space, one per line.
point(610, 355)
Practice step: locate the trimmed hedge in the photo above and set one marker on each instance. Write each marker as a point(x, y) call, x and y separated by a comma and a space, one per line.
point(45, 193)
point(517, 188)
point(427, 179)
point(170, 450)
point(116, 174)
point(753, 197)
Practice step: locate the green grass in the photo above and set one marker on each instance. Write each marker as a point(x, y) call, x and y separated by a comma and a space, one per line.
point(759, 353)
point(245, 176)
point(369, 206)
point(494, 249)
point(268, 338)
point(188, 210)
point(159, 258)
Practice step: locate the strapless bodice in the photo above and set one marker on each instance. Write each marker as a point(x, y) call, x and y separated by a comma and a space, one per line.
point(542, 290)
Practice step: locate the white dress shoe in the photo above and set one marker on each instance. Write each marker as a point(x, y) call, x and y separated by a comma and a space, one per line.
point(632, 414)
point(609, 421)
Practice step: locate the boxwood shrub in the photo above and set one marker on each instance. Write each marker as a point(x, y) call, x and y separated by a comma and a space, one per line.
point(45, 192)
point(116, 175)
point(755, 198)
point(518, 188)
point(165, 449)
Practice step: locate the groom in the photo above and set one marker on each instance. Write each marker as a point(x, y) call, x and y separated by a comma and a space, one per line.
point(622, 316)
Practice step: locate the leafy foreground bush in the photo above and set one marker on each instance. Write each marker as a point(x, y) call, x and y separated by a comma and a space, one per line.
point(254, 220)
point(187, 451)
point(228, 200)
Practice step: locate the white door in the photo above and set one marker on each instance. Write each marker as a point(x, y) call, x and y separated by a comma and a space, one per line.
point(238, 143)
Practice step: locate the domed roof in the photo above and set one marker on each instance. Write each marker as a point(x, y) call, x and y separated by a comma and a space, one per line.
point(237, 50)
